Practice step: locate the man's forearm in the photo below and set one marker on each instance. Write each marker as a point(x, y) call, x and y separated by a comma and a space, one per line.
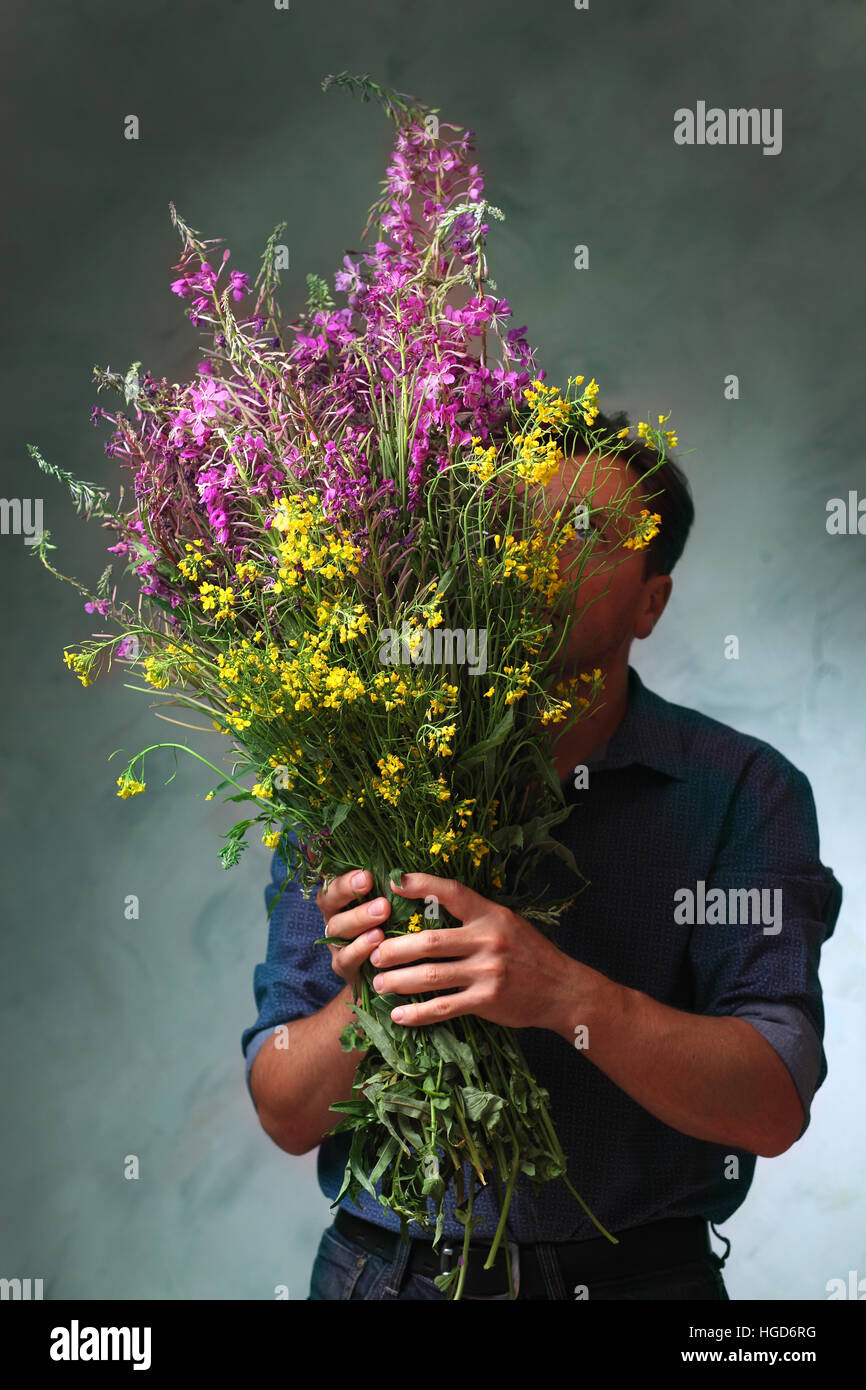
point(294, 1085)
point(716, 1079)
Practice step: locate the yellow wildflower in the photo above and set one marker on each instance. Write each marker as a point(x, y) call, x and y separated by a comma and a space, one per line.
point(648, 526)
point(128, 786)
point(77, 662)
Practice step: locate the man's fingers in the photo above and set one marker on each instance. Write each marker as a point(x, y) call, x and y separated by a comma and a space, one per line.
point(462, 902)
point(358, 919)
point(437, 941)
point(345, 889)
point(350, 921)
point(349, 959)
point(426, 978)
point(465, 1001)
point(342, 890)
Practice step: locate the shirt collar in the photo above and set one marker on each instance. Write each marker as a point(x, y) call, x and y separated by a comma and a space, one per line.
point(649, 733)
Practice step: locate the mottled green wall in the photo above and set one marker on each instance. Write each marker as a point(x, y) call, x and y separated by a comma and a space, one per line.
point(122, 1037)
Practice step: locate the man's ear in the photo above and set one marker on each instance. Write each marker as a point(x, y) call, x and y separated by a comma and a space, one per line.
point(654, 596)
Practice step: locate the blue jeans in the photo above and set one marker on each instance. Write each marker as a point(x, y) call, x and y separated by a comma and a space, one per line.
point(343, 1270)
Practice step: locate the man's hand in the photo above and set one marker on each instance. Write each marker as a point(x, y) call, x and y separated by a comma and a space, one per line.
point(358, 923)
point(294, 1085)
point(715, 1078)
point(504, 968)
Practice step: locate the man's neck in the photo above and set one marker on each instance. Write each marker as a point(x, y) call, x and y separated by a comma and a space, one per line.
point(576, 744)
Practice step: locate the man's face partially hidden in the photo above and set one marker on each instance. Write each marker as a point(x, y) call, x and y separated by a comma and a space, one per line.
point(622, 603)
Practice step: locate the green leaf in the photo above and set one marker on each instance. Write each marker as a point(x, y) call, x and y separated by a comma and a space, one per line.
point(405, 1105)
point(42, 545)
point(358, 1109)
point(450, 1048)
point(479, 751)
point(350, 1182)
point(160, 602)
point(433, 1186)
point(383, 1043)
point(401, 908)
point(88, 498)
point(318, 294)
point(409, 1131)
point(444, 1281)
point(352, 1037)
point(446, 580)
point(385, 1158)
point(517, 1088)
point(482, 1106)
point(235, 844)
point(385, 1119)
point(339, 815)
point(357, 1167)
point(561, 851)
point(131, 384)
point(546, 770)
point(507, 837)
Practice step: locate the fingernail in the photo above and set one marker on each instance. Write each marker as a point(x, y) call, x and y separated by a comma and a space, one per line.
point(377, 908)
point(359, 880)
point(374, 956)
point(397, 1015)
point(378, 981)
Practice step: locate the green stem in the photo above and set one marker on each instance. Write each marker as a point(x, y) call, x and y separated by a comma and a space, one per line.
point(183, 748)
point(467, 1234)
point(595, 1221)
point(488, 1263)
point(546, 1121)
point(470, 1146)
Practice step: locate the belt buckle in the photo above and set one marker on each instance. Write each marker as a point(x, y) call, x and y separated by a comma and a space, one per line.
point(513, 1253)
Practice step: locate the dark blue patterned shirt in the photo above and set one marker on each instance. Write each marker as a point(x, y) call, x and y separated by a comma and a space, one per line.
point(679, 811)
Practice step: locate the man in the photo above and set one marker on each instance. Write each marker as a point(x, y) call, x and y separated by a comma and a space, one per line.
point(674, 1014)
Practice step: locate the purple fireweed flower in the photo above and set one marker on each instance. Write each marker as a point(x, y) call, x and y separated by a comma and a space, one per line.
point(127, 649)
point(303, 410)
point(198, 307)
point(206, 277)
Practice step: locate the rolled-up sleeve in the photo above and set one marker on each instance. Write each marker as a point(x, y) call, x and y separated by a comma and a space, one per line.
point(295, 979)
point(760, 960)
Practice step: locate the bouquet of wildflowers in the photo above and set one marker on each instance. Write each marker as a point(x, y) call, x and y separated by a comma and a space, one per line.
point(344, 560)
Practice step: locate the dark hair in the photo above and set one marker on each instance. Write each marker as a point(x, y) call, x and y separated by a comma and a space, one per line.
point(667, 489)
point(671, 496)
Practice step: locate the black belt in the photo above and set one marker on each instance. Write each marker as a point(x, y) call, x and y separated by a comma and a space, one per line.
point(642, 1250)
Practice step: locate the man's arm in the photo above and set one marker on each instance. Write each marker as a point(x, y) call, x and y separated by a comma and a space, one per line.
point(709, 1074)
point(716, 1079)
point(294, 1085)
